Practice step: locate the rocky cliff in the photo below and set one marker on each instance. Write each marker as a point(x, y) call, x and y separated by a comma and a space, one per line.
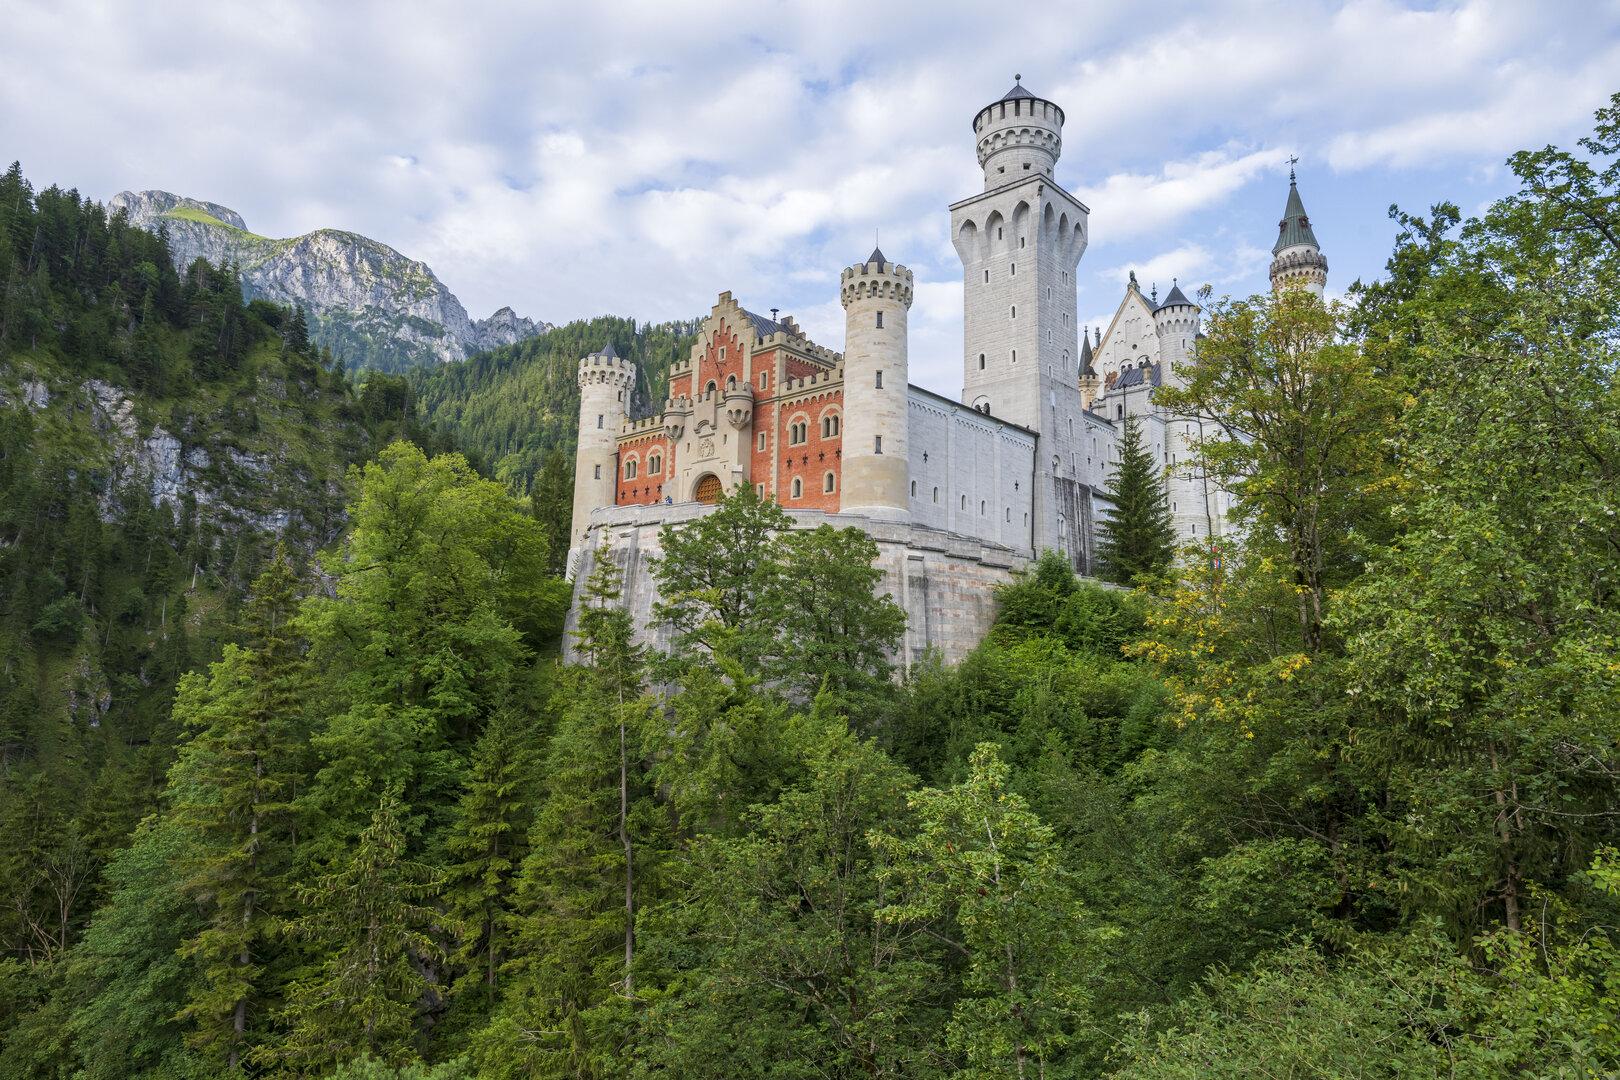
point(372, 306)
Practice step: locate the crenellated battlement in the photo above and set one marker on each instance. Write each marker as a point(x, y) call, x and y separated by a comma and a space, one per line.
point(607, 368)
point(818, 381)
point(646, 425)
point(876, 281)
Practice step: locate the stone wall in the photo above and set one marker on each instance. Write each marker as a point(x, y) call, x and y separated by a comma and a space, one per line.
point(943, 582)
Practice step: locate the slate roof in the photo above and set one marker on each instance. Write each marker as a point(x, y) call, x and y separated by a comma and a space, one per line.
point(1086, 370)
point(1016, 92)
point(607, 351)
point(1295, 227)
point(762, 326)
point(876, 256)
point(1176, 297)
point(1137, 376)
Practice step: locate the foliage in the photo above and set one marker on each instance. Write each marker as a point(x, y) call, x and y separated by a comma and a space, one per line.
point(1136, 541)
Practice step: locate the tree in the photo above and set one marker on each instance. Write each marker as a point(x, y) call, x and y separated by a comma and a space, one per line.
point(1304, 413)
point(233, 792)
point(368, 923)
point(1137, 541)
point(835, 633)
point(982, 861)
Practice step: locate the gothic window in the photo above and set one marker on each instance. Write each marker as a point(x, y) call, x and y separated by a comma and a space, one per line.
point(630, 469)
point(798, 487)
point(731, 382)
point(880, 320)
point(655, 464)
point(829, 426)
point(827, 482)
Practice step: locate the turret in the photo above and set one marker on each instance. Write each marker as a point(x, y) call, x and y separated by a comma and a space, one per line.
point(1018, 136)
point(605, 383)
point(1176, 323)
point(1299, 259)
point(1090, 382)
point(876, 295)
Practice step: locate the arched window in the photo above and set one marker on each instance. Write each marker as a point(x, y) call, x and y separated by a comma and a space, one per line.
point(936, 495)
point(731, 382)
point(981, 508)
point(710, 388)
point(798, 487)
point(913, 487)
point(963, 506)
point(655, 464)
point(981, 361)
point(600, 420)
point(630, 469)
point(830, 425)
point(827, 482)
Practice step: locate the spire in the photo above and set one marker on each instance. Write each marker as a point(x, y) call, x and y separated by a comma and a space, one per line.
point(1176, 297)
point(1294, 230)
point(1086, 370)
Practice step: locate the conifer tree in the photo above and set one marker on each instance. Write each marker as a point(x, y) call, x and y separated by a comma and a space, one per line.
point(368, 921)
point(234, 790)
point(1137, 540)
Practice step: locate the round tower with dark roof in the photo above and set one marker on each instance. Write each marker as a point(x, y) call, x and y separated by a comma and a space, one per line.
point(875, 468)
point(1175, 321)
point(1019, 135)
point(606, 380)
point(1298, 257)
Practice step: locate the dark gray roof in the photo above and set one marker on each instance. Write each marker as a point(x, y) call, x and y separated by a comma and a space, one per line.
point(1295, 227)
point(1137, 376)
point(1176, 297)
point(606, 350)
point(1017, 91)
point(1085, 356)
point(762, 326)
point(876, 256)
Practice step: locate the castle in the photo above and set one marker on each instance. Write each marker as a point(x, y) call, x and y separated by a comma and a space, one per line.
point(957, 493)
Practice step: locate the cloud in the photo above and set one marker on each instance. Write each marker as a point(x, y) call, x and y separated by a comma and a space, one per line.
point(570, 160)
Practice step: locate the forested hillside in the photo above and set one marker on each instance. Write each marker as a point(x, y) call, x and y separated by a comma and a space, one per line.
point(158, 439)
point(1336, 799)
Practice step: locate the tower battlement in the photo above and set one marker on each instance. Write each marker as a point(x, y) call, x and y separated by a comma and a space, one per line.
point(606, 368)
point(876, 281)
point(1018, 135)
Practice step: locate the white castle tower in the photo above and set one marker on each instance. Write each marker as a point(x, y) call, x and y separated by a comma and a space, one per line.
point(605, 382)
point(1175, 322)
point(876, 295)
point(1299, 259)
point(1019, 241)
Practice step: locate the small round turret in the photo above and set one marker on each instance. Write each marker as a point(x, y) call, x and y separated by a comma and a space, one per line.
point(1299, 260)
point(606, 381)
point(1018, 136)
point(876, 295)
point(1175, 321)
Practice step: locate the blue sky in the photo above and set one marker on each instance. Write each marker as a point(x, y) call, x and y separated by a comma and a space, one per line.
point(637, 158)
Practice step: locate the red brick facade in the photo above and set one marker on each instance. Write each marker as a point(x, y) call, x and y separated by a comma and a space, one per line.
point(652, 461)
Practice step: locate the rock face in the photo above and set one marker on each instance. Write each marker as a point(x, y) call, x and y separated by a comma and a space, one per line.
point(370, 305)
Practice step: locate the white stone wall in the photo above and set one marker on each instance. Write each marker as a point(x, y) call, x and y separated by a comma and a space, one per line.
point(971, 474)
point(945, 584)
point(604, 388)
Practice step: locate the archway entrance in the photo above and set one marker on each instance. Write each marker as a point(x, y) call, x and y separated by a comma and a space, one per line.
point(708, 489)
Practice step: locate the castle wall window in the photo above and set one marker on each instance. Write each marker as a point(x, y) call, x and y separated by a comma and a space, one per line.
point(880, 320)
point(963, 505)
point(798, 487)
point(731, 382)
point(987, 277)
point(877, 444)
point(762, 440)
point(599, 472)
point(1015, 311)
point(936, 495)
point(981, 361)
point(601, 421)
point(1015, 356)
point(830, 426)
point(630, 469)
point(880, 378)
point(914, 489)
point(764, 379)
point(981, 507)
point(1012, 269)
point(655, 464)
point(1021, 239)
point(711, 387)
point(827, 482)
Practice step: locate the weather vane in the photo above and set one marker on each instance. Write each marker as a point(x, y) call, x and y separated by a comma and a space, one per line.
point(1293, 159)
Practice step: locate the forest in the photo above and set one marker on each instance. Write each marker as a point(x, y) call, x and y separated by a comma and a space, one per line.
point(1334, 797)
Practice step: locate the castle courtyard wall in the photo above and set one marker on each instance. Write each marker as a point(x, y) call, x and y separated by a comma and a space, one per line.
point(944, 582)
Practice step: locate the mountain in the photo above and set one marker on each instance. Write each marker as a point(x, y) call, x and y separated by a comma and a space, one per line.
point(372, 306)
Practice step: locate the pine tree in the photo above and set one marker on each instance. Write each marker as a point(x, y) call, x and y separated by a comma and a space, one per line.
point(234, 788)
point(1137, 540)
point(487, 844)
point(368, 922)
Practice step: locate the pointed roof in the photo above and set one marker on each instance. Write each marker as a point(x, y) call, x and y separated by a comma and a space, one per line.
point(1176, 297)
point(1086, 370)
point(607, 350)
point(1017, 91)
point(1294, 229)
point(876, 256)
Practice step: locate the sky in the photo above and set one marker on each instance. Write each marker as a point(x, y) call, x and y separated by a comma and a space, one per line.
point(638, 158)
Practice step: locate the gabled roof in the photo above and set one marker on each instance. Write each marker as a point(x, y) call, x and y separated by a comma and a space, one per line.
point(762, 326)
point(1294, 229)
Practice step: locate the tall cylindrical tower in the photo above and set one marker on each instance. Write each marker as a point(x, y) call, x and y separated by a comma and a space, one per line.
point(605, 383)
point(1176, 323)
point(1018, 137)
point(876, 295)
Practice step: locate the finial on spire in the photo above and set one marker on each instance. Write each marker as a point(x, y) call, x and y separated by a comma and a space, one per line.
point(1293, 159)
point(1155, 292)
point(1017, 79)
